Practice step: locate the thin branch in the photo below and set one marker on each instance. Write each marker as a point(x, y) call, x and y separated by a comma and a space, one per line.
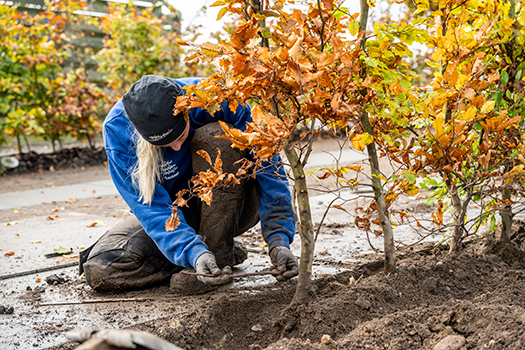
point(247, 274)
point(98, 301)
point(321, 34)
point(324, 216)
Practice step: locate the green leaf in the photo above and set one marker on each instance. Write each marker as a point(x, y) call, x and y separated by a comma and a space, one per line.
point(504, 77)
point(431, 182)
point(340, 12)
point(266, 33)
point(61, 250)
point(478, 126)
point(410, 177)
point(492, 224)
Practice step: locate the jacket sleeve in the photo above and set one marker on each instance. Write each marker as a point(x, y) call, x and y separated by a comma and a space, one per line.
point(181, 246)
point(275, 208)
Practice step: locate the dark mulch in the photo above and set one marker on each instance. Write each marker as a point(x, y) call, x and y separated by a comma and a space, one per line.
point(69, 158)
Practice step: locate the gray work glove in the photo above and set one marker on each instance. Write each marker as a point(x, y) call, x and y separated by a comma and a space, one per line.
point(284, 262)
point(206, 264)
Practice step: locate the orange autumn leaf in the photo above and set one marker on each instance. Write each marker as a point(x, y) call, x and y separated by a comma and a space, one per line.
point(9, 254)
point(218, 162)
point(204, 155)
point(173, 221)
point(324, 176)
point(243, 34)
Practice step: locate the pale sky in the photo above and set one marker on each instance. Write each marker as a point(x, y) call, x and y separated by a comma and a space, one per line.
point(190, 14)
point(190, 8)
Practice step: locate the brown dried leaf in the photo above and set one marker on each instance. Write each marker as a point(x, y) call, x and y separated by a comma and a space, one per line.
point(9, 254)
point(218, 162)
point(180, 202)
point(324, 176)
point(173, 221)
point(205, 155)
point(207, 196)
point(339, 207)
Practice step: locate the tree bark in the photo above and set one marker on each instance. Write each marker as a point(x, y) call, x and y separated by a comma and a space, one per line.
point(458, 214)
point(379, 197)
point(506, 218)
point(386, 224)
point(304, 291)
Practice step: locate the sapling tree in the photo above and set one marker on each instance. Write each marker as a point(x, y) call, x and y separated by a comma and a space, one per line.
point(471, 134)
point(307, 75)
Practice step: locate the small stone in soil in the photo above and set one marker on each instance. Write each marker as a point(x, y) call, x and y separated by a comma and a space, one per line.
point(56, 279)
point(6, 309)
point(451, 342)
point(363, 303)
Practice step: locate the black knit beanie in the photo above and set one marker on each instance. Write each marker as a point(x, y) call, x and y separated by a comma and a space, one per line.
point(149, 106)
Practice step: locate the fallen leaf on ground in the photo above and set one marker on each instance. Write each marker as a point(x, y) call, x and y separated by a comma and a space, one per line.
point(11, 223)
point(38, 280)
point(49, 217)
point(62, 250)
point(69, 201)
point(97, 222)
point(10, 253)
point(37, 241)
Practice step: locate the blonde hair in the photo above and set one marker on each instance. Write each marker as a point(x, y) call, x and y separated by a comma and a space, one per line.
point(147, 172)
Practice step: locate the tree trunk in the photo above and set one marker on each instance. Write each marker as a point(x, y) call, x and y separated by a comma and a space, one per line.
point(304, 291)
point(386, 224)
point(19, 144)
point(459, 216)
point(506, 218)
point(26, 141)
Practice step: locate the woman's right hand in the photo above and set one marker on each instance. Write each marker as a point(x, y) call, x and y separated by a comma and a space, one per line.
point(206, 264)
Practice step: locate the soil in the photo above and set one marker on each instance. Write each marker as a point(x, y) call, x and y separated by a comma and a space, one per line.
point(472, 294)
point(476, 295)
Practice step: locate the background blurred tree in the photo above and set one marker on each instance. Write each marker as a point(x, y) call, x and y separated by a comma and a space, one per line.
point(137, 43)
point(32, 64)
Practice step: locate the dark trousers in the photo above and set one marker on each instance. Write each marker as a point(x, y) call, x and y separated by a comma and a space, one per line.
point(125, 257)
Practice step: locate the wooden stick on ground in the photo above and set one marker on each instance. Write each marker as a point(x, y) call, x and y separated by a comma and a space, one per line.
point(260, 273)
point(94, 301)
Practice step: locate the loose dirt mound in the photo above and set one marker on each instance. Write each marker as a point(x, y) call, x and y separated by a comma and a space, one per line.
point(474, 296)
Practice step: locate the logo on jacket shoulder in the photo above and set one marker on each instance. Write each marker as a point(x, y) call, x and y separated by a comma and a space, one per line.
point(169, 170)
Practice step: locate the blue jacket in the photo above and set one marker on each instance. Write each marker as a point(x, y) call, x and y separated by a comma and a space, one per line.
point(183, 246)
